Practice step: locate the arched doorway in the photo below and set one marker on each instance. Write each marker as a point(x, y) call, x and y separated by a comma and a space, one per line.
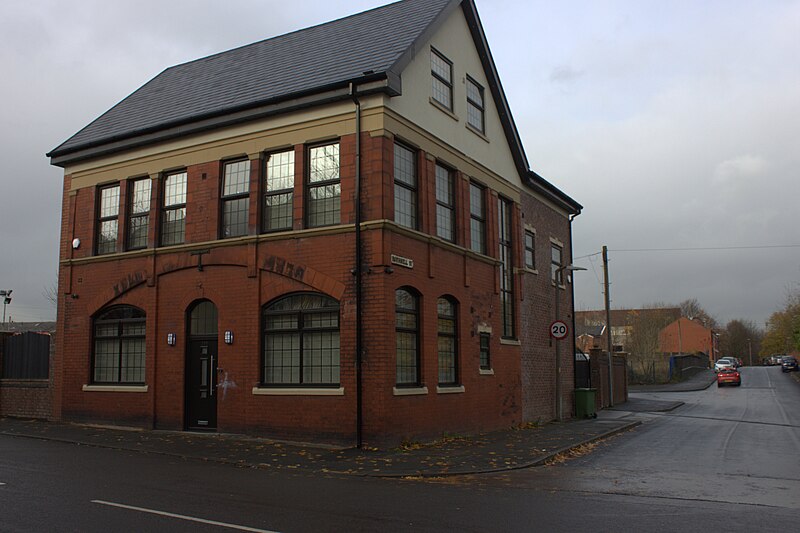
point(201, 366)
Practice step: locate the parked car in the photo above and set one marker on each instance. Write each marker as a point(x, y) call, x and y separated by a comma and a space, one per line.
point(729, 376)
point(789, 364)
point(723, 363)
point(735, 360)
point(775, 359)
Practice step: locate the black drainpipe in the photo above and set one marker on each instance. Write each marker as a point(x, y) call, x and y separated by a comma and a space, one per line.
point(357, 273)
point(572, 285)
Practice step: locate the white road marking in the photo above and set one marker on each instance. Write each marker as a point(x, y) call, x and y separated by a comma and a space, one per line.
point(182, 517)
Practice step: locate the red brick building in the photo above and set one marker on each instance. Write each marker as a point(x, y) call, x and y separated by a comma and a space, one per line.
point(347, 249)
point(688, 336)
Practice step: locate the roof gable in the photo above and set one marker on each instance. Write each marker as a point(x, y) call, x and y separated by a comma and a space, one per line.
point(353, 48)
point(299, 69)
point(454, 41)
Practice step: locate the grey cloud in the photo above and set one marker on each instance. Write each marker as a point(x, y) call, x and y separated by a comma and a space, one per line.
point(565, 74)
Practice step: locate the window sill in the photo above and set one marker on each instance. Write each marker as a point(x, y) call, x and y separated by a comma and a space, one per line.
point(441, 107)
point(477, 132)
point(449, 389)
point(410, 391)
point(530, 271)
point(299, 391)
point(486, 371)
point(510, 342)
point(115, 388)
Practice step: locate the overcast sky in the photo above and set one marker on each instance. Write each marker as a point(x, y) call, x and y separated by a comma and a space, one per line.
point(676, 124)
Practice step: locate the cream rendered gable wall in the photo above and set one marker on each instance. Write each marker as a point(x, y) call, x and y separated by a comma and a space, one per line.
point(454, 41)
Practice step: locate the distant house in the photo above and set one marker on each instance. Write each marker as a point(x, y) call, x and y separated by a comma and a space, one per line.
point(688, 336)
point(624, 322)
point(589, 337)
point(330, 235)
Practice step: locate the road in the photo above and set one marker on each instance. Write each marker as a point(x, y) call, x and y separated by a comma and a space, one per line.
point(726, 460)
point(729, 445)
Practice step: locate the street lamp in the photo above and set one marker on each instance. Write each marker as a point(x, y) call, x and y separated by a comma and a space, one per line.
point(6, 296)
point(559, 400)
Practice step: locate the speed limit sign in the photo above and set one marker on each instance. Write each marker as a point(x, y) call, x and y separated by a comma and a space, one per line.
point(558, 330)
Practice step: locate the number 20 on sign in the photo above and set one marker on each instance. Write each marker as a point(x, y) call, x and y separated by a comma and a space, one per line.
point(558, 330)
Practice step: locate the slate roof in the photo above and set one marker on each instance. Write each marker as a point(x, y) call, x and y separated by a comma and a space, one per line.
point(594, 331)
point(254, 81)
point(280, 68)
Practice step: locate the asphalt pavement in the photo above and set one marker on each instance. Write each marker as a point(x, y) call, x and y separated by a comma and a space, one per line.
point(700, 381)
point(515, 448)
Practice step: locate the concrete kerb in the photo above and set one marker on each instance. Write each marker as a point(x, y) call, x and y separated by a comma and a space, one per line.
point(597, 438)
point(409, 474)
point(538, 462)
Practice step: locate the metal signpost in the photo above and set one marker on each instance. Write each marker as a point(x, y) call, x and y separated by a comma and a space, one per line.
point(559, 330)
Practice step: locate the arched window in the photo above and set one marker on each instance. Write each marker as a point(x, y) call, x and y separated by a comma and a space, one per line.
point(301, 341)
point(447, 335)
point(203, 319)
point(407, 337)
point(119, 346)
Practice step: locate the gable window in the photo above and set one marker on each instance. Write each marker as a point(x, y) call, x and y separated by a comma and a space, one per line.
point(445, 204)
point(506, 277)
point(119, 346)
point(555, 264)
point(301, 341)
point(475, 110)
point(530, 253)
point(405, 186)
point(107, 223)
point(235, 198)
point(447, 343)
point(139, 213)
point(442, 76)
point(173, 213)
point(279, 191)
point(486, 360)
point(477, 218)
point(324, 187)
point(407, 337)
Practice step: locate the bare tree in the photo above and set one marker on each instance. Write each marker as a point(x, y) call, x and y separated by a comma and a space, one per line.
point(740, 338)
point(645, 358)
point(692, 310)
point(51, 294)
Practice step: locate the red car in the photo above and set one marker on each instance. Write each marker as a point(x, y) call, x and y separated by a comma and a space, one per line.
point(729, 376)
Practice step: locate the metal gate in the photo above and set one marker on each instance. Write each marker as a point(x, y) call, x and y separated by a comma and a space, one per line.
point(26, 356)
point(583, 373)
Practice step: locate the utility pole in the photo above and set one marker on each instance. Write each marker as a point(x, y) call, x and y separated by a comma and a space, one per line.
point(608, 329)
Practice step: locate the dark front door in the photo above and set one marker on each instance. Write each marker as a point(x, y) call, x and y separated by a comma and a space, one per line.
point(201, 385)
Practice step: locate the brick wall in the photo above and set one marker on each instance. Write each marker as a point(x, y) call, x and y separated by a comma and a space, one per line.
point(538, 312)
point(241, 276)
point(25, 398)
point(599, 371)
